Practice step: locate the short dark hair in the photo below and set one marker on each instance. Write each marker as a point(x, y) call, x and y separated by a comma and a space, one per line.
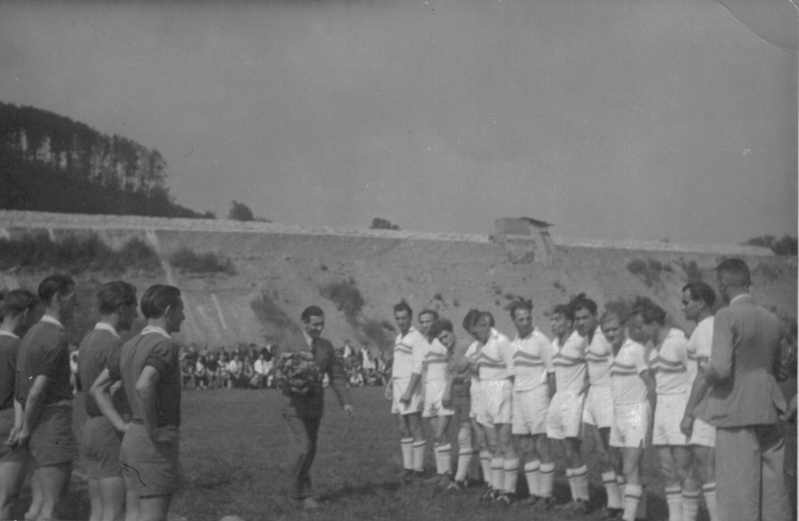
point(701, 291)
point(738, 270)
point(649, 311)
point(17, 301)
point(564, 309)
point(484, 314)
point(157, 299)
point(582, 302)
point(114, 294)
point(610, 315)
point(519, 304)
point(403, 306)
point(471, 319)
point(441, 324)
point(55, 284)
point(311, 311)
point(428, 311)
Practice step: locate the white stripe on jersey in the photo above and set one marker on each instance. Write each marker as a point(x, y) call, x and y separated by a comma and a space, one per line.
point(569, 363)
point(532, 360)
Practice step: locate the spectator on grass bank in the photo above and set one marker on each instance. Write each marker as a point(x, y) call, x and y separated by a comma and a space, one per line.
point(303, 413)
point(235, 370)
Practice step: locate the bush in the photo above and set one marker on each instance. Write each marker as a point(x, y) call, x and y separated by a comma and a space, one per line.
point(636, 267)
point(346, 297)
point(76, 254)
point(269, 312)
point(649, 270)
point(187, 259)
point(692, 271)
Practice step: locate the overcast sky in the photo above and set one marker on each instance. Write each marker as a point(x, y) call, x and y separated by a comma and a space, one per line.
point(613, 119)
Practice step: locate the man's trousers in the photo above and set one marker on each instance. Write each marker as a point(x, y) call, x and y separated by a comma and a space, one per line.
point(303, 433)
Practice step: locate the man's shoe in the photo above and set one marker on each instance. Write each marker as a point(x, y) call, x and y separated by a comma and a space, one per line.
point(505, 499)
point(543, 504)
point(457, 486)
point(310, 503)
point(489, 495)
point(613, 513)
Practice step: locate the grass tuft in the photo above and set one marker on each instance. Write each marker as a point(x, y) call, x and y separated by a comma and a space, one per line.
point(188, 260)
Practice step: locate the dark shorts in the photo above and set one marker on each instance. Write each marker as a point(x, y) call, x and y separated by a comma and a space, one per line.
point(150, 469)
point(52, 441)
point(100, 446)
point(8, 455)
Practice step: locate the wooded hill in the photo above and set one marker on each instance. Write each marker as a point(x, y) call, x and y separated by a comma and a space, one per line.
point(54, 164)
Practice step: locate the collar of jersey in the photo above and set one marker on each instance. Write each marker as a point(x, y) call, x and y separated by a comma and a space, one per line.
point(107, 327)
point(8, 333)
point(52, 320)
point(155, 329)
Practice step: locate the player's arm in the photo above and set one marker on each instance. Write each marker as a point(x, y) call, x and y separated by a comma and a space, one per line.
point(32, 409)
point(145, 392)
point(720, 367)
point(419, 353)
point(406, 396)
point(18, 419)
point(506, 353)
point(698, 391)
point(101, 392)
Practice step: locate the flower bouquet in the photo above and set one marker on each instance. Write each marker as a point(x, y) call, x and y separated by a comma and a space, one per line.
point(296, 374)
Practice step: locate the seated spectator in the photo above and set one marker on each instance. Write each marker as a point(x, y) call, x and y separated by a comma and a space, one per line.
point(200, 373)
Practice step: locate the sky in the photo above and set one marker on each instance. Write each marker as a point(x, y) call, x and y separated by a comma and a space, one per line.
point(644, 120)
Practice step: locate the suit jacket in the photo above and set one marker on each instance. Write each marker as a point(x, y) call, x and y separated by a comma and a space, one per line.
point(312, 406)
point(746, 348)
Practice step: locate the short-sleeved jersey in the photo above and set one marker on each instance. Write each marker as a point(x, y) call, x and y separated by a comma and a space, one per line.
point(671, 364)
point(9, 346)
point(625, 374)
point(152, 347)
point(95, 352)
point(532, 360)
point(409, 352)
point(701, 342)
point(473, 354)
point(496, 358)
point(599, 356)
point(44, 350)
point(436, 362)
point(569, 363)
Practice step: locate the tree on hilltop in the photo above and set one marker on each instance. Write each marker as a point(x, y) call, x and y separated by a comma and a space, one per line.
point(383, 224)
point(785, 245)
point(242, 212)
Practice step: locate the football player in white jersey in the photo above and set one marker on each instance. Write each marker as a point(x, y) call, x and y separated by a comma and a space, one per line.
point(697, 306)
point(672, 367)
point(495, 370)
point(533, 387)
point(438, 394)
point(564, 419)
point(632, 414)
point(405, 392)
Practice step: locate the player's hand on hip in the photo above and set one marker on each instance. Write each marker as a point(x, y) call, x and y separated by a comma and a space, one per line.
point(687, 425)
point(406, 398)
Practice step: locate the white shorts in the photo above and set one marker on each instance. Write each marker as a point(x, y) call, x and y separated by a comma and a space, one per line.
point(497, 398)
point(668, 414)
point(398, 387)
point(530, 411)
point(433, 396)
point(565, 416)
point(703, 435)
point(476, 394)
point(598, 408)
point(630, 425)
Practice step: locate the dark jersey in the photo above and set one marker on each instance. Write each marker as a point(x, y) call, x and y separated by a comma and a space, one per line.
point(44, 350)
point(9, 346)
point(95, 352)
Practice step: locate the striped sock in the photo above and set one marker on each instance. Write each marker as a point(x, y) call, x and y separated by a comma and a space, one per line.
point(407, 453)
point(497, 473)
point(418, 455)
point(612, 489)
point(465, 456)
point(570, 479)
point(674, 502)
point(547, 479)
point(690, 505)
point(709, 491)
point(580, 477)
point(437, 458)
point(473, 471)
point(640, 513)
point(632, 497)
point(532, 471)
point(445, 455)
point(511, 471)
point(485, 465)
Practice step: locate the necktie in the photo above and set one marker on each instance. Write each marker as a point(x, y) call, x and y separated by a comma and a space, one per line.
point(314, 344)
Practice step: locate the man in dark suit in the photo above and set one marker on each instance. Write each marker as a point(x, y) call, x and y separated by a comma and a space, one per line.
point(745, 404)
point(303, 414)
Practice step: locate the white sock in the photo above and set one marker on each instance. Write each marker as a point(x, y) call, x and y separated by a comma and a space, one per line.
point(465, 456)
point(547, 479)
point(497, 473)
point(407, 453)
point(709, 491)
point(612, 489)
point(511, 471)
point(532, 471)
point(445, 457)
point(570, 479)
point(674, 502)
point(690, 505)
point(418, 455)
point(580, 477)
point(632, 497)
point(437, 457)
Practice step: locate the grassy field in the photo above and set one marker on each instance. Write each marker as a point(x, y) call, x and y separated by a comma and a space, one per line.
point(233, 448)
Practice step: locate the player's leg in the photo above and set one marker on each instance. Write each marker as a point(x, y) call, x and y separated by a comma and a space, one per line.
point(465, 447)
point(543, 452)
point(631, 463)
point(132, 505)
point(12, 474)
point(112, 495)
point(510, 463)
point(38, 497)
point(95, 501)
point(154, 508)
point(706, 469)
point(414, 420)
point(671, 482)
point(576, 472)
point(53, 480)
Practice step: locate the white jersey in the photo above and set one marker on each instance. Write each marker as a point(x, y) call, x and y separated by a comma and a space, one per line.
point(628, 364)
point(599, 355)
point(496, 358)
point(532, 360)
point(671, 364)
point(569, 363)
point(701, 342)
point(436, 362)
point(409, 352)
